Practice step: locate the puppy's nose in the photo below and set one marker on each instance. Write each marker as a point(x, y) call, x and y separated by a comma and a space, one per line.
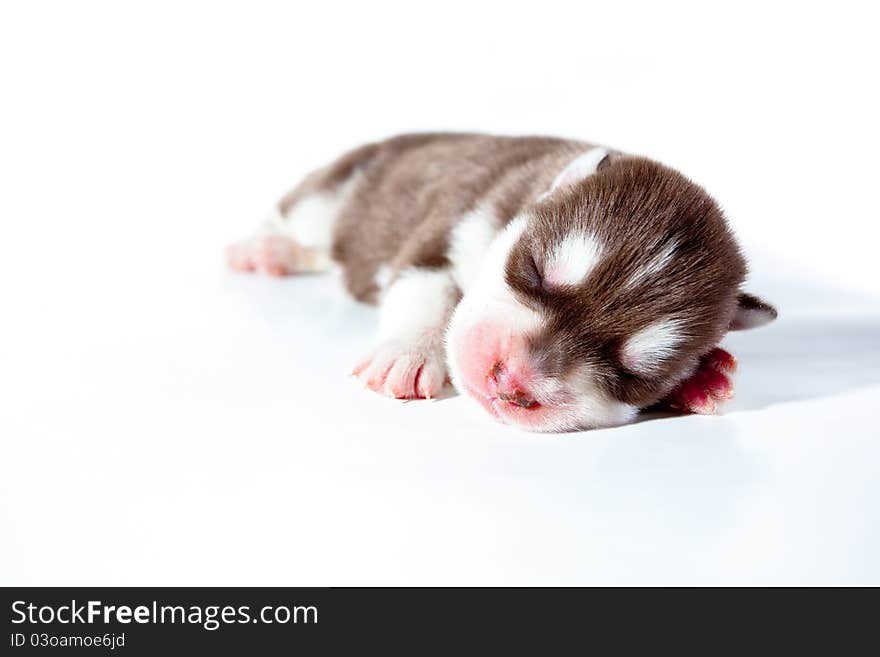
point(508, 389)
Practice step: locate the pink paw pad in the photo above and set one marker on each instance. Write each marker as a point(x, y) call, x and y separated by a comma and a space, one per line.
point(395, 371)
point(238, 256)
point(275, 255)
point(707, 387)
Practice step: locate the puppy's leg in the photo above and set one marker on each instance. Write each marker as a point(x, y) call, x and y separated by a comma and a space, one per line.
point(409, 361)
point(278, 249)
point(297, 235)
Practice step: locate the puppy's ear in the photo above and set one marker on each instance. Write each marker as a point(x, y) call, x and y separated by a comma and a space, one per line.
point(751, 312)
point(579, 168)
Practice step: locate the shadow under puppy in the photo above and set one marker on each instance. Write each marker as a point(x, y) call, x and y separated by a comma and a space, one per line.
point(559, 284)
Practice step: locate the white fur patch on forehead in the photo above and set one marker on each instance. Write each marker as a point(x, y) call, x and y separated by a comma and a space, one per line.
point(647, 349)
point(657, 263)
point(572, 260)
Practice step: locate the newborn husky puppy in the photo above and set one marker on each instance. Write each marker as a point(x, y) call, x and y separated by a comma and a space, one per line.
point(559, 284)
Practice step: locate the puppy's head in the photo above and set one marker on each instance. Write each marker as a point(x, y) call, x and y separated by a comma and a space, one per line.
point(599, 299)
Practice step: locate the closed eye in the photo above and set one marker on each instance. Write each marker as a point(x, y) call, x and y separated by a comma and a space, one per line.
point(534, 277)
point(525, 276)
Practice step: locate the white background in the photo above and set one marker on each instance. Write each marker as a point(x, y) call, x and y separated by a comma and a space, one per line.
point(166, 422)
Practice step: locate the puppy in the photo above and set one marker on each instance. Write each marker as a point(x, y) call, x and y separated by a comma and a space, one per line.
point(559, 284)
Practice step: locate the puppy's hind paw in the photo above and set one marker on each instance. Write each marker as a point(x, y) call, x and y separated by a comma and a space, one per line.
point(276, 255)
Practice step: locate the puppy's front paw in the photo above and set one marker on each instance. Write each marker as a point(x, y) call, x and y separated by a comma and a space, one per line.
point(707, 387)
point(404, 370)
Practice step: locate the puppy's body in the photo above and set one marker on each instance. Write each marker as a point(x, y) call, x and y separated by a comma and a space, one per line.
point(562, 284)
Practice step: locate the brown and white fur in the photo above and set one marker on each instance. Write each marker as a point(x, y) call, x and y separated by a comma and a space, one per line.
point(559, 284)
